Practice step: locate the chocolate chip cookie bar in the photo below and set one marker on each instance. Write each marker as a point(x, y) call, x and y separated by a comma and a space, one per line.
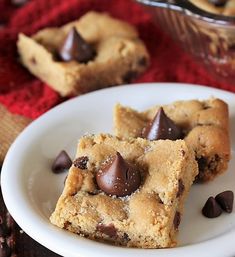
point(223, 7)
point(202, 124)
point(93, 52)
point(127, 192)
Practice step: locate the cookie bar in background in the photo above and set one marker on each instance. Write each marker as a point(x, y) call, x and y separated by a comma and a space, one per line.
point(204, 126)
point(223, 7)
point(93, 52)
point(127, 192)
point(10, 127)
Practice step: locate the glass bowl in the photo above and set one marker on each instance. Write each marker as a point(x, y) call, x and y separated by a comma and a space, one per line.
point(209, 37)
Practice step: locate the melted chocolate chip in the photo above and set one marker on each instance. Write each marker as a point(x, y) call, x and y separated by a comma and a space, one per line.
point(180, 188)
point(225, 200)
point(211, 208)
point(61, 163)
point(81, 162)
point(117, 177)
point(218, 3)
point(202, 163)
point(161, 127)
point(76, 48)
point(109, 230)
point(177, 220)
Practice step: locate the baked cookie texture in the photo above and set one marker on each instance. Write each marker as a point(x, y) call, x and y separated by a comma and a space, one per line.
point(218, 7)
point(205, 126)
point(120, 55)
point(149, 217)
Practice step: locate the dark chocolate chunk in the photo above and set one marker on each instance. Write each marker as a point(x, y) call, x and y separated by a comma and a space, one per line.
point(161, 127)
point(61, 163)
point(218, 3)
point(225, 200)
point(81, 162)
point(211, 208)
point(180, 188)
point(76, 48)
point(108, 230)
point(18, 3)
point(117, 177)
point(177, 220)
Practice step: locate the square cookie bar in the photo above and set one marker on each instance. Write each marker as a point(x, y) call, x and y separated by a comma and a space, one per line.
point(120, 55)
point(204, 125)
point(148, 216)
point(224, 7)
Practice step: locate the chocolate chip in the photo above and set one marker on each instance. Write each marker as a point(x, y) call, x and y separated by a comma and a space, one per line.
point(129, 76)
point(202, 163)
point(108, 230)
point(180, 188)
point(225, 200)
point(76, 48)
point(5, 250)
point(126, 237)
point(211, 208)
point(61, 163)
point(206, 107)
point(33, 60)
point(142, 61)
point(81, 162)
point(117, 177)
point(177, 220)
point(67, 224)
point(18, 3)
point(218, 3)
point(161, 127)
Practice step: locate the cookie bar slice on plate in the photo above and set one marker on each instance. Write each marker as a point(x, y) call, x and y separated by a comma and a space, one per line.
point(128, 192)
point(93, 52)
point(204, 125)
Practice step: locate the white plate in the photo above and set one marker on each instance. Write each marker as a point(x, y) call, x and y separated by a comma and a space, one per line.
point(31, 190)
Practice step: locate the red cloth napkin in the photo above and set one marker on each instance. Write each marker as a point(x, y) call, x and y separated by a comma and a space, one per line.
point(24, 94)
